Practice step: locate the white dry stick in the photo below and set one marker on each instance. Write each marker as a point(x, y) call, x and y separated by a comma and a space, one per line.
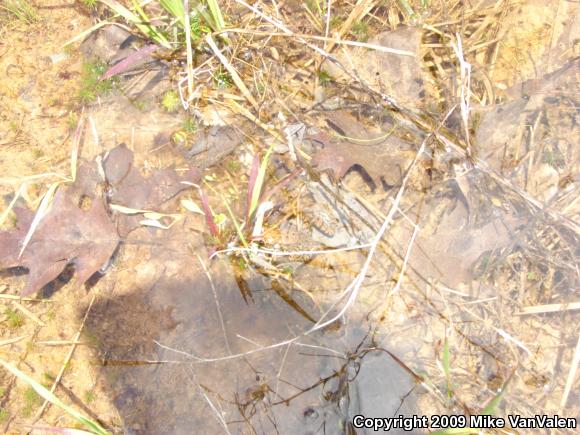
point(502, 333)
point(303, 38)
point(327, 28)
point(95, 135)
point(12, 180)
point(357, 282)
point(76, 146)
point(217, 413)
point(217, 303)
point(405, 261)
point(40, 213)
point(549, 308)
point(181, 352)
point(20, 299)
point(465, 97)
point(276, 253)
point(13, 340)
point(279, 375)
point(571, 376)
point(255, 343)
point(263, 208)
point(47, 198)
point(235, 76)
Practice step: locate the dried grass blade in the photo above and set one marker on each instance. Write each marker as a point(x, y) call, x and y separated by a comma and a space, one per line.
point(76, 146)
point(13, 340)
point(189, 49)
point(28, 313)
point(87, 32)
point(191, 206)
point(252, 185)
point(447, 367)
point(549, 308)
point(50, 397)
point(362, 8)
point(571, 376)
point(42, 208)
point(235, 76)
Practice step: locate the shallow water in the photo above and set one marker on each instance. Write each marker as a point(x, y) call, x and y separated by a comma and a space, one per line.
point(308, 387)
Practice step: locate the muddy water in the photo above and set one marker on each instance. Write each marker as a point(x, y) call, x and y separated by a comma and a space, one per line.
point(309, 387)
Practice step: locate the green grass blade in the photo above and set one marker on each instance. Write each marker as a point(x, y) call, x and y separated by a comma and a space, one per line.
point(49, 396)
point(493, 404)
point(145, 28)
point(260, 181)
point(407, 8)
point(216, 14)
point(236, 224)
point(21, 9)
point(175, 8)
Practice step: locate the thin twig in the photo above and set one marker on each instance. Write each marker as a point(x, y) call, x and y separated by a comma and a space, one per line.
point(571, 375)
point(39, 413)
point(217, 303)
point(335, 41)
point(277, 253)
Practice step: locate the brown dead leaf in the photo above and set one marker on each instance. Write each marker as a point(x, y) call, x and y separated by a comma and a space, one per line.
point(66, 235)
point(10, 240)
point(129, 188)
point(381, 155)
point(77, 229)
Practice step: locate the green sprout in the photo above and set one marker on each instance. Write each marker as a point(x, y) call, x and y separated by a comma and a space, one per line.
point(324, 78)
point(91, 85)
point(14, 318)
point(20, 9)
point(361, 30)
point(189, 125)
point(170, 101)
point(31, 402)
point(4, 415)
point(89, 3)
point(222, 79)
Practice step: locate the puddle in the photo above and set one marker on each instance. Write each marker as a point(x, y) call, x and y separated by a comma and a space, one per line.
point(471, 290)
point(310, 386)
